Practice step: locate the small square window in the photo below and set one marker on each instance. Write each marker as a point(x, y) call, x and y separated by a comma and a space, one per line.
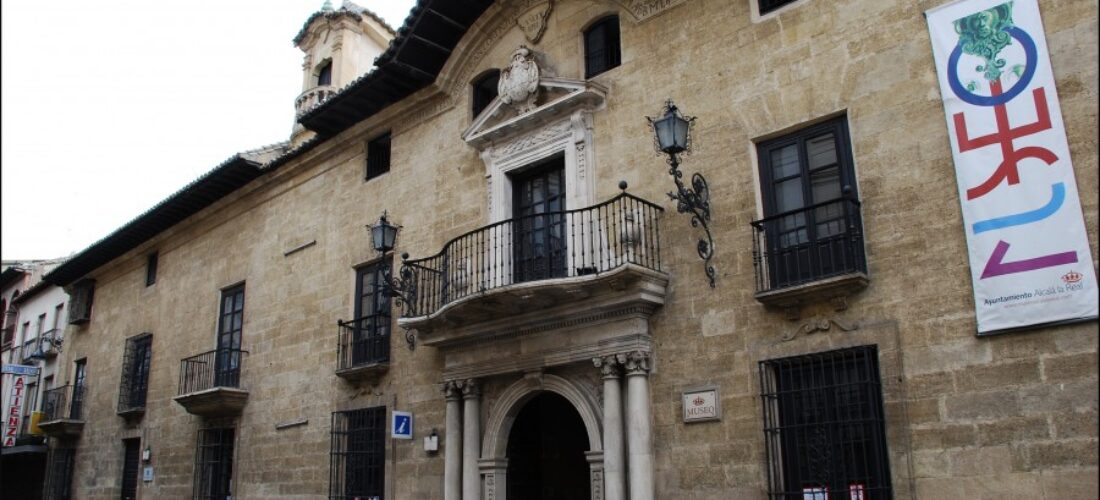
point(602, 49)
point(767, 6)
point(378, 156)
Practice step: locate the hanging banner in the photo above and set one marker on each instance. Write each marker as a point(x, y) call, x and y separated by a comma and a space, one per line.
point(1029, 254)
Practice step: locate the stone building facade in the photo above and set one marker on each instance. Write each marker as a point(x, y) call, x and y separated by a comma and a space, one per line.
point(536, 343)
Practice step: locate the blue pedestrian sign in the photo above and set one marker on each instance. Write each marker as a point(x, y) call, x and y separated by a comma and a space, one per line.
point(401, 426)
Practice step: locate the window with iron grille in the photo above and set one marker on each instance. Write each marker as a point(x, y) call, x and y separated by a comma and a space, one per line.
point(812, 227)
point(357, 468)
point(151, 269)
point(214, 465)
point(824, 431)
point(131, 462)
point(767, 6)
point(378, 156)
point(485, 90)
point(59, 473)
point(135, 373)
point(602, 49)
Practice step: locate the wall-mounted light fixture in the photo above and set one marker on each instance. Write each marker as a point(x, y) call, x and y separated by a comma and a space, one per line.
point(672, 136)
point(383, 237)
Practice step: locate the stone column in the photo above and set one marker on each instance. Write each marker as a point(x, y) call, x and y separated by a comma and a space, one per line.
point(452, 471)
point(471, 440)
point(614, 487)
point(639, 435)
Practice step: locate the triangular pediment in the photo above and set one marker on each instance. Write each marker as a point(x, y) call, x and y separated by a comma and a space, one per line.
point(557, 97)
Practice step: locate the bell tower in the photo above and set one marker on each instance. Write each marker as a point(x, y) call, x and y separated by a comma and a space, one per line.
point(340, 45)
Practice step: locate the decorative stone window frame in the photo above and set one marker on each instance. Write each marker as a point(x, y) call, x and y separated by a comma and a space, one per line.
point(560, 126)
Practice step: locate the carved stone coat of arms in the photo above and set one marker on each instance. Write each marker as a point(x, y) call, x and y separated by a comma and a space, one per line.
point(519, 82)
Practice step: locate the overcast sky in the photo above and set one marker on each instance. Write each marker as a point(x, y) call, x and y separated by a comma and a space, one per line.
point(111, 106)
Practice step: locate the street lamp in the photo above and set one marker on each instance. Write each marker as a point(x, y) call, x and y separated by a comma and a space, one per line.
point(672, 136)
point(383, 237)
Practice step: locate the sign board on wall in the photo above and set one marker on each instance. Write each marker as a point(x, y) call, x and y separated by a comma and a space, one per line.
point(702, 404)
point(1030, 262)
point(401, 425)
point(13, 412)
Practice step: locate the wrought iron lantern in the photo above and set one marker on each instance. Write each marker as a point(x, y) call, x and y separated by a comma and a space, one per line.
point(672, 136)
point(383, 237)
point(673, 130)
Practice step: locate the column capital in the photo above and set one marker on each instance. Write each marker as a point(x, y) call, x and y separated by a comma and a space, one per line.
point(637, 363)
point(610, 366)
point(470, 388)
point(452, 390)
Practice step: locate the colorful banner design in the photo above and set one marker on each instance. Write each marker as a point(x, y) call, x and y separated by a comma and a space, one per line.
point(1029, 255)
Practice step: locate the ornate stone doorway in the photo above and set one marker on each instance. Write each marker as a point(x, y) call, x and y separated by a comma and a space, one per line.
point(546, 451)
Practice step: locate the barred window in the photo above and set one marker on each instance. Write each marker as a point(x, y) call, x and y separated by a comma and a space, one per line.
point(602, 49)
point(378, 156)
point(214, 465)
point(824, 432)
point(59, 473)
point(131, 462)
point(80, 302)
point(357, 469)
point(135, 373)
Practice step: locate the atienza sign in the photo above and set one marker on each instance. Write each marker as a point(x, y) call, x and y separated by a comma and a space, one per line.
point(1029, 254)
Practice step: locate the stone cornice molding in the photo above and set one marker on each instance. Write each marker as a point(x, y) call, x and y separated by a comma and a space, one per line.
point(574, 95)
point(556, 356)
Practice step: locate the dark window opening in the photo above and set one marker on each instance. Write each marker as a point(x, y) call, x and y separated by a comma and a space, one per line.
point(824, 429)
point(767, 6)
point(131, 462)
point(602, 50)
point(151, 269)
point(367, 337)
point(812, 227)
point(485, 90)
point(324, 74)
point(540, 227)
point(358, 451)
point(59, 473)
point(378, 156)
point(76, 408)
point(227, 361)
point(214, 465)
point(135, 373)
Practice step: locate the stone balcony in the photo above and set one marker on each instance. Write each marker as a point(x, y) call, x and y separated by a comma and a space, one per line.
point(519, 283)
point(63, 412)
point(312, 97)
point(210, 383)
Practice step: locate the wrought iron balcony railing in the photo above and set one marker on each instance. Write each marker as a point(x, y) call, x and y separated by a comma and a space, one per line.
point(217, 368)
point(363, 341)
point(808, 244)
point(63, 403)
point(551, 245)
